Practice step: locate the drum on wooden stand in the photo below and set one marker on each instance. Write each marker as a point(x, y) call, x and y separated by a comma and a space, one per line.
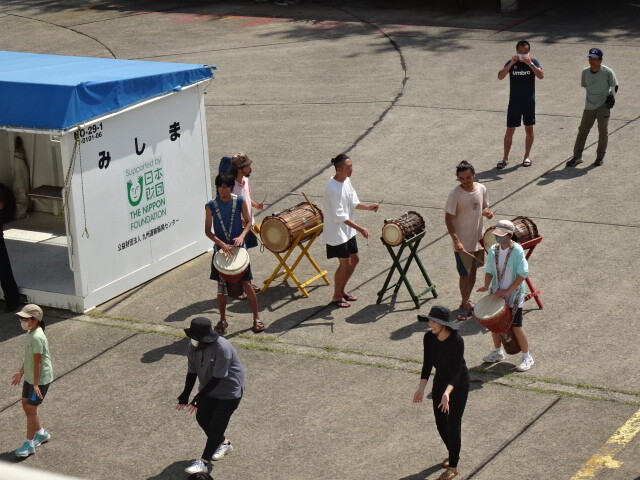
point(525, 230)
point(279, 231)
point(396, 230)
point(232, 269)
point(492, 312)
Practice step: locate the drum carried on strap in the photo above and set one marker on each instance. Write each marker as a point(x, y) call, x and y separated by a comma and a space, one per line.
point(396, 230)
point(279, 231)
point(526, 230)
point(492, 312)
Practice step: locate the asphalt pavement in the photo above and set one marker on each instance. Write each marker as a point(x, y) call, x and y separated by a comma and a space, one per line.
point(408, 89)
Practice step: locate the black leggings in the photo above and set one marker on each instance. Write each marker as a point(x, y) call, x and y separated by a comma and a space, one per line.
point(450, 424)
point(213, 417)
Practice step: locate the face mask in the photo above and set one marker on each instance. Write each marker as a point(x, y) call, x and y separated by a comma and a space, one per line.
point(195, 343)
point(501, 239)
point(24, 324)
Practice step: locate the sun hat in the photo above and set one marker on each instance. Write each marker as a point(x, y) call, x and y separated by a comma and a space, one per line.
point(504, 227)
point(440, 315)
point(201, 330)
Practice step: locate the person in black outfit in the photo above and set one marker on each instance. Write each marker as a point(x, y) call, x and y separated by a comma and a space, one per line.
point(7, 281)
point(444, 350)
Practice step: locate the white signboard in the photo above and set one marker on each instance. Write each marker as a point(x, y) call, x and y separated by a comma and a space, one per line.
point(140, 183)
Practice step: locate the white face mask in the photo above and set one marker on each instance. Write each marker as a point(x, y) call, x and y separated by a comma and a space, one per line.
point(195, 343)
point(24, 324)
point(502, 239)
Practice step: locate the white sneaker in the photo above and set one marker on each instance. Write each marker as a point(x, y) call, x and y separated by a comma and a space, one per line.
point(221, 451)
point(526, 364)
point(494, 356)
point(198, 466)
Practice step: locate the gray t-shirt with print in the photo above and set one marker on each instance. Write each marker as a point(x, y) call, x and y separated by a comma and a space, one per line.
point(220, 360)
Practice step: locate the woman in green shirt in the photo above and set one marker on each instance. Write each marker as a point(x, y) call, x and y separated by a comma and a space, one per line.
point(38, 375)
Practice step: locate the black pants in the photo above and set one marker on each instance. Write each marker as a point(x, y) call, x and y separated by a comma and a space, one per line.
point(8, 283)
point(449, 425)
point(213, 417)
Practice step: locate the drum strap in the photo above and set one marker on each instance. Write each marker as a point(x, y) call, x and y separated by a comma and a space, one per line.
point(234, 204)
point(499, 273)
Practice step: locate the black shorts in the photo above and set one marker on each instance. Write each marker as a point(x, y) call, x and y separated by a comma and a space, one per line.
point(344, 249)
point(30, 395)
point(517, 318)
point(521, 111)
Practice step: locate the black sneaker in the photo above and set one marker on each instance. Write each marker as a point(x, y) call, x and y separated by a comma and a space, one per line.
point(598, 162)
point(574, 161)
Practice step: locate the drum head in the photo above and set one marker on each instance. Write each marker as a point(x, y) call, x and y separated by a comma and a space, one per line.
point(392, 234)
point(488, 307)
point(275, 234)
point(237, 263)
point(488, 239)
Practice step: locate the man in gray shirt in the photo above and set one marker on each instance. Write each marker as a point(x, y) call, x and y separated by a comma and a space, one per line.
point(602, 85)
point(215, 363)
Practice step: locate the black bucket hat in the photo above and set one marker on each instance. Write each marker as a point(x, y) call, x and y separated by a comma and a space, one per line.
point(440, 315)
point(201, 330)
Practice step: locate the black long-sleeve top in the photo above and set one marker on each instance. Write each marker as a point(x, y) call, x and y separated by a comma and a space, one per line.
point(447, 358)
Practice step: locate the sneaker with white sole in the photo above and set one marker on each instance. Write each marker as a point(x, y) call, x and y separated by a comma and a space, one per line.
point(527, 363)
point(494, 356)
point(221, 451)
point(40, 439)
point(198, 466)
point(25, 450)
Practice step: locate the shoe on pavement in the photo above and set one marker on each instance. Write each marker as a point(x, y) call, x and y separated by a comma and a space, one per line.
point(40, 439)
point(495, 356)
point(25, 450)
point(526, 364)
point(198, 466)
point(221, 451)
point(574, 161)
point(598, 162)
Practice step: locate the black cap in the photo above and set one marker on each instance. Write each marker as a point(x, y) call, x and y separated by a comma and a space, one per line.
point(440, 315)
point(201, 330)
point(595, 53)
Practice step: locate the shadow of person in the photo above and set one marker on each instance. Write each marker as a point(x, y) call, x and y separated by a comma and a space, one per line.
point(495, 174)
point(424, 473)
point(300, 317)
point(566, 173)
point(179, 347)
point(408, 330)
point(368, 314)
point(205, 307)
point(173, 471)
point(10, 457)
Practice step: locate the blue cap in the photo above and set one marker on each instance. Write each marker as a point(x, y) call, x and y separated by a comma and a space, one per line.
point(595, 53)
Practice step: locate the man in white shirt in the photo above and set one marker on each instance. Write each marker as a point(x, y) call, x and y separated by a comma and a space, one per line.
point(340, 230)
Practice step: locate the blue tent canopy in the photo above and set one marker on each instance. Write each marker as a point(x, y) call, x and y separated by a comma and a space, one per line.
point(52, 92)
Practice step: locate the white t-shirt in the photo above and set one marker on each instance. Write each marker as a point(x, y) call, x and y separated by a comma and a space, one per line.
point(466, 207)
point(340, 201)
point(244, 190)
point(507, 278)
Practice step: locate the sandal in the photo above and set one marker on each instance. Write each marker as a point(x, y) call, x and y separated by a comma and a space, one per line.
point(258, 327)
point(449, 474)
point(349, 298)
point(466, 313)
point(445, 463)
point(340, 303)
point(526, 162)
point(256, 288)
point(221, 327)
point(501, 164)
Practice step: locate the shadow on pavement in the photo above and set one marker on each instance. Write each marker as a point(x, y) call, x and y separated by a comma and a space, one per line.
point(424, 473)
point(566, 173)
point(10, 326)
point(179, 347)
point(205, 307)
point(173, 471)
point(299, 317)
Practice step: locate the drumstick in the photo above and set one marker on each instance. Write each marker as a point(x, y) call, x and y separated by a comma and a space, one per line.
point(265, 199)
point(474, 257)
point(313, 207)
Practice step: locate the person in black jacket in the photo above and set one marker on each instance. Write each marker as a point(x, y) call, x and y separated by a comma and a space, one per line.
point(7, 280)
point(444, 351)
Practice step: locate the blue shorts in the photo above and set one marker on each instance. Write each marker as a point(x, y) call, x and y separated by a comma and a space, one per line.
point(30, 395)
point(344, 250)
point(521, 111)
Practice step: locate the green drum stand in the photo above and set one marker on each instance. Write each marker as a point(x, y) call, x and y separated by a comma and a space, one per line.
point(412, 244)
